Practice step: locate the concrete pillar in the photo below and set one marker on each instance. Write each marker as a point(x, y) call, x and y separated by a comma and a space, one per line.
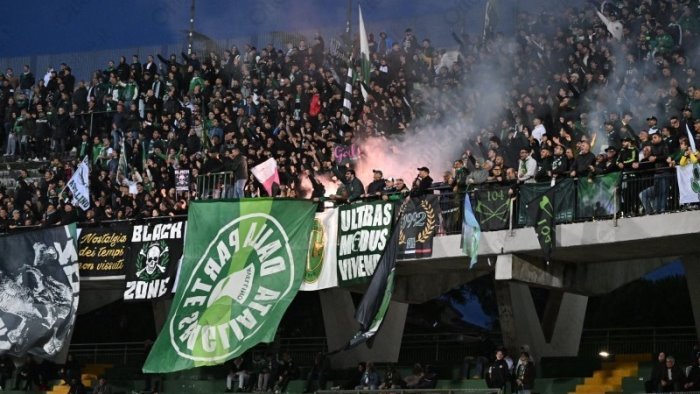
point(520, 325)
point(338, 319)
point(692, 276)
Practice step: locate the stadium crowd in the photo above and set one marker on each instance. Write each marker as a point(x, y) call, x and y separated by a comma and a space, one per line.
point(572, 90)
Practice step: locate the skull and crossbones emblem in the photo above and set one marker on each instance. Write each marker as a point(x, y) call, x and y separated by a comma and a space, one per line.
point(153, 255)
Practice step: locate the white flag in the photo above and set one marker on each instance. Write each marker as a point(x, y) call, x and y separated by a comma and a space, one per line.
point(688, 183)
point(266, 173)
point(321, 270)
point(79, 185)
point(691, 138)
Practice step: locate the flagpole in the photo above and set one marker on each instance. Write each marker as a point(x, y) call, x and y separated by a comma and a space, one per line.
point(348, 28)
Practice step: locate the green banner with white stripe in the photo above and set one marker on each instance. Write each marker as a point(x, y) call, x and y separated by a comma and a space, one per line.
point(243, 264)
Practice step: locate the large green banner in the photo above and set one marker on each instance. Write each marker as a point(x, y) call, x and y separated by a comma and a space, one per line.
point(597, 197)
point(363, 231)
point(243, 264)
point(492, 208)
point(563, 204)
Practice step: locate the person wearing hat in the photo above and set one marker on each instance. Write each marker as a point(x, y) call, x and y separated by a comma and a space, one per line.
point(652, 125)
point(389, 191)
point(422, 183)
point(627, 161)
point(377, 186)
point(612, 134)
point(544, 166)
point(687, 113)
point(609, 163)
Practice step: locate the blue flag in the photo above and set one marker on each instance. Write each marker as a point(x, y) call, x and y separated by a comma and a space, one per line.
point(471, 232)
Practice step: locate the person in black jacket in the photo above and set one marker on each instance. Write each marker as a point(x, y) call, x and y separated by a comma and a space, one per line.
point(6, 369)
point(672, 377)
point(655, 198)
point(544, 166)
point(656, 372)
point(584, 163)
point(692, 382)
point(375, 188)
point(498, 373)
point(238, 164)
point(524, 374)
point(422, 183)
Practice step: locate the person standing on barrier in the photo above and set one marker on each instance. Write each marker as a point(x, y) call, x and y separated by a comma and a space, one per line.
point(524, 375)
point(238, 165)
point(655, 198)
point(498, 374)
point(626, 163)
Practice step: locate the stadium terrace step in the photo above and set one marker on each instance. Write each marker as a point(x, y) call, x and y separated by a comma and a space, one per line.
point(59, 389)
point(609, 379)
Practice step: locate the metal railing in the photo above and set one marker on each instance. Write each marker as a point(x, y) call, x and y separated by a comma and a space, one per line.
point(215, 185)
point(676, 341)
point(444, 348)
point(411, 391)
point(111, 352)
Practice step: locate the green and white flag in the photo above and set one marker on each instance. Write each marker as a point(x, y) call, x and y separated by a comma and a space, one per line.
point(321, 270)
point(364, 55)
point(688, 183)
point(597, 197)
point(363, 232)
point(243, 264)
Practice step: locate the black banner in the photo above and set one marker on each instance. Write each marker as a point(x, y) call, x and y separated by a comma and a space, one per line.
point(39, 291)
point(541, 212)
point(492, 208)
point(563, 204)
point(182, 180)
point(102, 250)
point(152, 258)
point(419, 221)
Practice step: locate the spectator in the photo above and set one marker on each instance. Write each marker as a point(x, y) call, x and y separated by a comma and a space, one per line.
point(413, 379)
point(238, 373)
point(392, 379)
point(692, 382)
point(657, 372)
point(6, 369)
point(527, 167)
point(318, 374)
point(288, 371)
point(76, 386)
point(584, 164)
point(524, 374)
point(355, 377)
point(102, 387)
point(353, 187)
point(268, 369)
point(672, 377)
point(238, 164)
point(654, 198)
point(498, 372)
point(378, 183)
point(25, 376)
point(370, 379)
point(422, 183)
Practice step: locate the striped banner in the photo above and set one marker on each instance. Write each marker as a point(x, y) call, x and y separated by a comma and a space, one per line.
point(347, 104)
